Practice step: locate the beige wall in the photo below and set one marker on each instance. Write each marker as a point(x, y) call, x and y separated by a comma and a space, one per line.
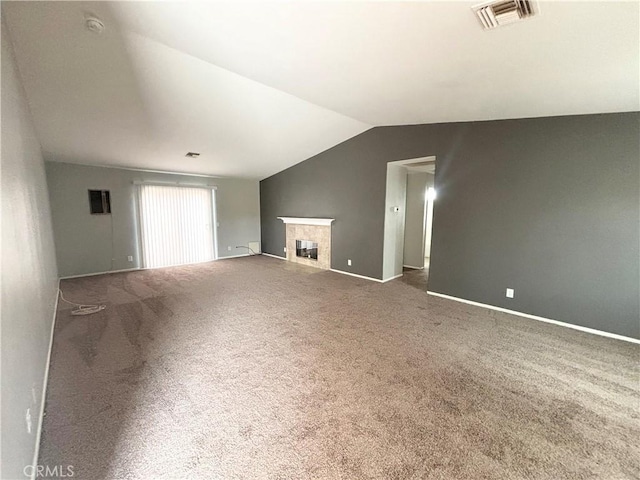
point(29, 276)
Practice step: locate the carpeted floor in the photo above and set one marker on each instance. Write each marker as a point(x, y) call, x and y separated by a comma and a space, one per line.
point(256, 368)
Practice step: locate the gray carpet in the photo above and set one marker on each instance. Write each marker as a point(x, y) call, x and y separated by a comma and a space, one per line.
point(255, 368)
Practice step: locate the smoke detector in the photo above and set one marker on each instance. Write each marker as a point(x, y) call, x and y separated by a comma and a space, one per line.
point(504, 12)
point(94, 25)
point(192, 154)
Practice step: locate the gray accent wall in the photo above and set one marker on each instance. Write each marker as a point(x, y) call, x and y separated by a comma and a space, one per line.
point(547, 206)
point(29, 276)
point(88, 243)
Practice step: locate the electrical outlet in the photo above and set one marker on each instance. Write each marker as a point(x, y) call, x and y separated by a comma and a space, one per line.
point(130, 258)
point(285, 249)
point(229, 248)
point(349, 262)
point(510, 292)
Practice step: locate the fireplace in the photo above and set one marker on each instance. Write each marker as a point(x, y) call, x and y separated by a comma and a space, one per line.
point(307, 249)
point(308, 241)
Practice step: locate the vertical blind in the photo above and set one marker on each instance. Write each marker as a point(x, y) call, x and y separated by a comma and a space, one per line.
point(176, 224)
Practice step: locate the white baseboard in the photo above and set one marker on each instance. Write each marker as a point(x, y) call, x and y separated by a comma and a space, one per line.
point(540, 319)
point(273, 256)
point(45, 382)
point(392, 278)
point(356, 275)
point(142, 268)
point(364, 277)
point(100, 273)
point(236, 256)
point(411, 266)
point(345, 273)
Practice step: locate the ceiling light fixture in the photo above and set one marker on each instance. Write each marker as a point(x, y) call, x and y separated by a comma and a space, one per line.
point(192, 154)
point(94, 24)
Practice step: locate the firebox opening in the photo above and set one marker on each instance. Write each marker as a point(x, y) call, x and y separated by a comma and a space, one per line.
point(307, 249)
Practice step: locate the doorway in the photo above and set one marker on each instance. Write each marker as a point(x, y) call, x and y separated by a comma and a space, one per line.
point(176, 225)
point(410, 197)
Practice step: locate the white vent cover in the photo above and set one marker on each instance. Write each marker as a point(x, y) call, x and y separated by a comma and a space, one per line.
point(254, 247)
point(503, 12)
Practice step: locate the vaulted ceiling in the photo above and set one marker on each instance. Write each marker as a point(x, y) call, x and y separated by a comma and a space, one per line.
point(258, 87)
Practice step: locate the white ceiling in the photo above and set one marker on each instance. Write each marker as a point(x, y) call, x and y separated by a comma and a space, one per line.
point(257, 87)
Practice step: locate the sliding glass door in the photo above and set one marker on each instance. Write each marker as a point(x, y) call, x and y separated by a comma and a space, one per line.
point(176, 225)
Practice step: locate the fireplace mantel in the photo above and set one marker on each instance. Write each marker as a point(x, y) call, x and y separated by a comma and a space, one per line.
point(307, 221)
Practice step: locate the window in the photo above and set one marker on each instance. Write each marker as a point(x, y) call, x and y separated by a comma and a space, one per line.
point(176, 225)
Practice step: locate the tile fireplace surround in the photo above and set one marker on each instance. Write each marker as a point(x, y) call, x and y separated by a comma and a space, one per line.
point(314, 229)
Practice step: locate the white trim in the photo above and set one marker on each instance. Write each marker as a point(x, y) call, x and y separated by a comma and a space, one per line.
point(145, 170)
point(45, 382)
point(355, 275)
point(160, 183)
point(366, 278)
point(307, 221)
point(154, 268)
point(236, 256)
point(273, 256)
point(411, 161)
point(341, 271)
point(392, 278)
point(102, 273)
point(138, 220)
point(411, 266)
point(214, 226)
point(541, 319)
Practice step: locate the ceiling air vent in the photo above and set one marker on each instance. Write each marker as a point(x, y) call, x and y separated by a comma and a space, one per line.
point(501, 12)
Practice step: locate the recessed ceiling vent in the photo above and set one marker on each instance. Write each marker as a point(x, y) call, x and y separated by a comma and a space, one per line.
point(503, 12)
point(192, 154)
